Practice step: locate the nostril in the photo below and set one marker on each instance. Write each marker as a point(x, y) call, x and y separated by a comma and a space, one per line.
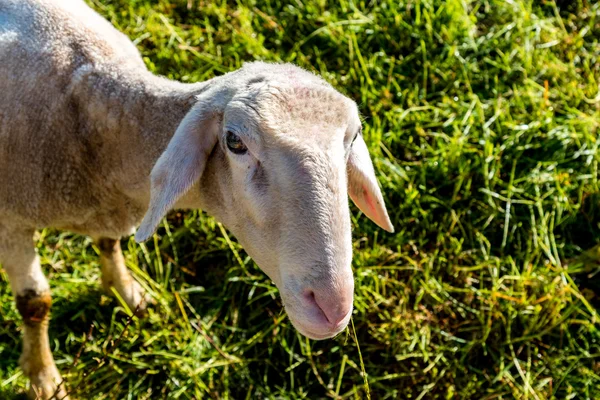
point(312, 299)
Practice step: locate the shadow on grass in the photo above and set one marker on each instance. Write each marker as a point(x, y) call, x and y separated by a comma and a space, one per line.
point(583, 233)
point(79, 311)
point(11, 395)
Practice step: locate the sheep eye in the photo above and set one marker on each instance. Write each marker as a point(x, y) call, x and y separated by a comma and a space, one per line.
point(235, 144)
point(358, 132)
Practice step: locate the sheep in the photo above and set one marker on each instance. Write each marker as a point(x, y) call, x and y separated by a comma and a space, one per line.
point(92, 142)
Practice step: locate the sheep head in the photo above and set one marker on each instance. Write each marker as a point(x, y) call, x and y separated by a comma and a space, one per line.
point(273, 151)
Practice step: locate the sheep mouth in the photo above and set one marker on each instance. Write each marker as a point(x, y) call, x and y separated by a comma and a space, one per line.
point(312, 322)
point(311, 334)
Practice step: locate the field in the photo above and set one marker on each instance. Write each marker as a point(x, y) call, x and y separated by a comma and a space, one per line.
point(482, 118)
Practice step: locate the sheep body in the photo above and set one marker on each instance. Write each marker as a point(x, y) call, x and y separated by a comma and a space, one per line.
point(86, 131)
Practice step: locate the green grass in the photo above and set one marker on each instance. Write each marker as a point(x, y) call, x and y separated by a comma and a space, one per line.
point(482, 119)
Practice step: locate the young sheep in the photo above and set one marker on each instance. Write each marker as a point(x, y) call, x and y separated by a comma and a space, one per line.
point(91, 141)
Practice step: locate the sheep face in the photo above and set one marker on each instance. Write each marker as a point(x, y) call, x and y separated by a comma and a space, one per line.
point(281, 156)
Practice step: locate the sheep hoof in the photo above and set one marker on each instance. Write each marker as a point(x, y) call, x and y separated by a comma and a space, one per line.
point(134, 295)
point(138, 300)
point(46, 382)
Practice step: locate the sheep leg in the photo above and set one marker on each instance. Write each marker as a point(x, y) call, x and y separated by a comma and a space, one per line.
point(32, 294)
point(115, 274)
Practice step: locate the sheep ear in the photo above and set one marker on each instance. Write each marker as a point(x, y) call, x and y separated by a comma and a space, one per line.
point(181, 165)
point(363, 187)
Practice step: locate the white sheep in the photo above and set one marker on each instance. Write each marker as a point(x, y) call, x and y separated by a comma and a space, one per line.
point(91, 141)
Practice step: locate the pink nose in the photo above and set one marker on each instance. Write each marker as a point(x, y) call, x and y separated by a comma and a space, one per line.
point(334, 308)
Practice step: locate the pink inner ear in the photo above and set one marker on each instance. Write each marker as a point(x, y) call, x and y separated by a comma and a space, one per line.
point(368, 198)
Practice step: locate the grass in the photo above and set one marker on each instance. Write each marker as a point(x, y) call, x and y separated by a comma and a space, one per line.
point(482, 118)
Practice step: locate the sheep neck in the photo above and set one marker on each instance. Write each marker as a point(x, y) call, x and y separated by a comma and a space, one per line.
point(137, 113)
